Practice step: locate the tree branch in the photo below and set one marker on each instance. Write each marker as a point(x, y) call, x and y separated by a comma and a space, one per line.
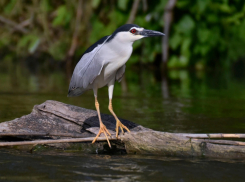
point(13, 25)
point(168, 16)
point(76, 30)
point(74, 39)
point(214, 135)
point(133, 11)
point(89, 139)
point(41, 134)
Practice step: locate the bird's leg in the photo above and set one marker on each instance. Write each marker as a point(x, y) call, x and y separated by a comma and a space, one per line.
point(103, 128)
point(118, 124)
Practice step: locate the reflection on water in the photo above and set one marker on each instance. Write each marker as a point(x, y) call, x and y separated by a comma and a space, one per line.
point(184, 101)
point(63, 166)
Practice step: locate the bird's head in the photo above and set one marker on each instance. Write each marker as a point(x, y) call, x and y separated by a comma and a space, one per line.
point(132, 32)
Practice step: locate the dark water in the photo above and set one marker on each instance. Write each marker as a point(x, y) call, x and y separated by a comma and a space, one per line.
point(76, 167)
point(186, 101)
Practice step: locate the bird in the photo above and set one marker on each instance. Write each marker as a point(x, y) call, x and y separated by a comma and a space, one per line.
point(103, 63)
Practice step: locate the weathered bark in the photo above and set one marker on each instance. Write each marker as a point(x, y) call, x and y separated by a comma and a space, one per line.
point(171, 144)
point(59, 125)
point(53, 118)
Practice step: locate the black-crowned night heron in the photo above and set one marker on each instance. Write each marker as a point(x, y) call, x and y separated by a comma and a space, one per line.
point(104, 63)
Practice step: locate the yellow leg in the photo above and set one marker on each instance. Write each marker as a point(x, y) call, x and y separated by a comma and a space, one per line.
point(103, 128)
point(118, 124)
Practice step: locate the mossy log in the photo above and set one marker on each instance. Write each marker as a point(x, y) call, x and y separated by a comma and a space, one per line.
point(60, 125)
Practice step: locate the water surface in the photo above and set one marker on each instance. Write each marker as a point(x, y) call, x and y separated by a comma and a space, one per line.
point(184, 101)
point(61, 166)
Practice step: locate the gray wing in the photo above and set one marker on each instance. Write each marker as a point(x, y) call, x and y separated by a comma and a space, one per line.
point(120, 73)
point(86, 70)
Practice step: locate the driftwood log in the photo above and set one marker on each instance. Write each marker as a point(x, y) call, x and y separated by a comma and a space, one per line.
point(59, 125)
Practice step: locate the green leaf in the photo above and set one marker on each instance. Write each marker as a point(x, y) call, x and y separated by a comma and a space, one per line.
point(10, 6)
point(175, 41)
point(122, 4)
point(186, 24)
point(203, 35)
point(185, 48)
point(30, 42)
point(182, 4)
point(45, 5)
point(202, 4)
point(95, 3)
point(34, 45)
point(63, 16)
point(173, 62)
point(58, 50)
point(225, 8)
point(23, 42)
point(212, 18)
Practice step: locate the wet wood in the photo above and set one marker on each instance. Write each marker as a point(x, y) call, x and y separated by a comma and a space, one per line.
point(65, 126)
point(171, 144)
point(89, 139)
point(224, 142)
point(213, 135)
point(41, 134)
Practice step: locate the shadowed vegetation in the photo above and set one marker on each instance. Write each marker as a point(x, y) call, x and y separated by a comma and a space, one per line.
point(203, 33)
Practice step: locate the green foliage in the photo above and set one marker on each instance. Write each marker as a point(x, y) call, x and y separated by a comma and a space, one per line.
point(122, 4)
point(203, 32)
point(30, 41)
point(9, 7)
point(209, 32)
point(63, 16)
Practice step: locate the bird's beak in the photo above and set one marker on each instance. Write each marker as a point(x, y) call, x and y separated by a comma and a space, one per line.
point(150, 33)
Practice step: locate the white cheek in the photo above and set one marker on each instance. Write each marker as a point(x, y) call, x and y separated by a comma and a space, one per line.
point(127, 37)
point(137, 37)
point(131, 38)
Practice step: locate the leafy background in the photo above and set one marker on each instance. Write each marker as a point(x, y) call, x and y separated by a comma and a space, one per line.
point(203, 33)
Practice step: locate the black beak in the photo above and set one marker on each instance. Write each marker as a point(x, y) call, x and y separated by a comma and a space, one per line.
point(151, 33)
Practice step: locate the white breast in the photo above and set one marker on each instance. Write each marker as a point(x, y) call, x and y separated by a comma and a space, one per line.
point(116, 53)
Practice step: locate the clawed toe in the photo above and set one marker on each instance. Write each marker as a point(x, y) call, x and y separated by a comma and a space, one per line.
point(119, 124)
point(104, 130)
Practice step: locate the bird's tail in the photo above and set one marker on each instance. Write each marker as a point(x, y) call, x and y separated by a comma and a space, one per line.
point(75, 92)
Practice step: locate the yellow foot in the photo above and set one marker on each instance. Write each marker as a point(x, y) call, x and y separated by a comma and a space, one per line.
point(104, 130)
point(119, 124)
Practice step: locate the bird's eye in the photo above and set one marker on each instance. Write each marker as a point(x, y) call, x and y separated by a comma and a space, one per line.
point(133, 31)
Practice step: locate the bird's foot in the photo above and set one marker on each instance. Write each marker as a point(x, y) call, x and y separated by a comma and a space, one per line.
point(104, 130)
point(119, 124)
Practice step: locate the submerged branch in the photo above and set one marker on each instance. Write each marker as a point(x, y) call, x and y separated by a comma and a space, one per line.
point(42, 134)
point(214, 135)
point(71, 140)
point(63, 119)
point(222, 142)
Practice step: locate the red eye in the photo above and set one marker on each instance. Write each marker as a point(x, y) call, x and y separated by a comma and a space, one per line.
point(133, 31)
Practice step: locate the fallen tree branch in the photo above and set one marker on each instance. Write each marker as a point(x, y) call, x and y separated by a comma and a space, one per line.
point(42, 134)
point(224, 142)
point(174, 144)
point(61, 119)
point(89, 139)
point(213, 135)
